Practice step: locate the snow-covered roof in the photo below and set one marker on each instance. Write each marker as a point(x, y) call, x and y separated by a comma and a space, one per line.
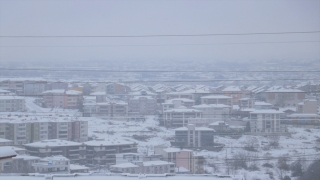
point(170, 101)
point(218, 123)
point(55, 158)
point(98, 93)
point(108, 142)
point(7, 151)
point(266, 111)
point(181, 170)
point(183, 110)
point(282, 90)
point(156, 163)
point(4, 140)
point(77, 167)
point(231, 88)
point(303, 115)
point(170, 149)
point(262, 103)
point(73, 92)
point(124, 165)
point(54, 91)
point(196, 129)
point(53, 143)
point(211, 106)
point(11, 97)
point(26, 157)
point(216, 97)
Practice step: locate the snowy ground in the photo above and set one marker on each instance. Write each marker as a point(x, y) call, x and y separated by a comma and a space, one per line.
point(147, 134)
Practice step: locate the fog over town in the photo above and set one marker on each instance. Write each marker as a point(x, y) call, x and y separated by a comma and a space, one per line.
point(160, 90)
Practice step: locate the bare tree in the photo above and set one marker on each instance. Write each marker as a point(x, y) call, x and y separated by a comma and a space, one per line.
point(251, 144)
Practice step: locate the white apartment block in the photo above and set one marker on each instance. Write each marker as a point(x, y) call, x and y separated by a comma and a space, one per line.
point(217, 99)
point(33, 88)
point(180, 117)
point(266, 121)
point(12, 104)
point(142, 105)
point(214, 112)
point(176, 103)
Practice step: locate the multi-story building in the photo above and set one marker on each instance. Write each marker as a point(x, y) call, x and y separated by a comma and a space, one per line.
point(59, 98)
point(234, 92)
point(214, 112)
point(22, 164)
point(21, 132)
point(194, 94)
point(104, 152)
point(53, 165)
point(106, 109)
point(284, 97)
point(98, 151)
point(307, 106)
point(140, 167)
point(302, 119)
point(142, 105)
point(12, 104)
point(117, 88)
point(266, 121)
point(176, 103)
point(217, 99)
point(192, 136)
point(34, 88)
point(182, 158)
point(180, 117)
point(262, 105)
point(245, 103)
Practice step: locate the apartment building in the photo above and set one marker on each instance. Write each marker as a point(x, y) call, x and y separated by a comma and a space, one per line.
point(192, 136)
point(13, 84)
point(52, 165)
point(140, 167)
point(284, 97)
point(182, 158)
point(60, 98)
point(234, 92)
point(302, 119)
point(106, 109)
point(117, 88)
point(245, 103)
point(22, 164)
point(260, 105)
point(214, 112)
point(266, 121)
point(307, 106)
point(217, 99)
point(12, 104)
point(194, 94)
point(176, 103)
point(34, 88)
point(21, 132)
point(103, 152)
point(180, 117)
point(142, 105)
point(57, 85)
point(97, 151)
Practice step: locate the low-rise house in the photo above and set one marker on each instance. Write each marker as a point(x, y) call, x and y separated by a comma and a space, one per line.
point(6, 155)
point(53, 165)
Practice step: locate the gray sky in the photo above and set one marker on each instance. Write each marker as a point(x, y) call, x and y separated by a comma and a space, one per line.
point(94, 17)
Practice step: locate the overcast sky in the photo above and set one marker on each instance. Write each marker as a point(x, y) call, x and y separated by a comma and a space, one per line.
point(152, 17)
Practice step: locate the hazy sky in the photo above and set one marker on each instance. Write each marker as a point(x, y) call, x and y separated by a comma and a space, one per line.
point(149, 17)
